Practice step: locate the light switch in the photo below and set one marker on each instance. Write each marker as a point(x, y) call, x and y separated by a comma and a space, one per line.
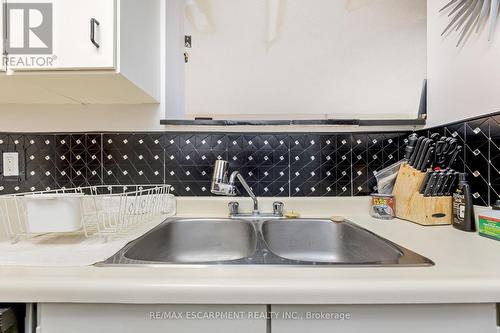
point(10, 164)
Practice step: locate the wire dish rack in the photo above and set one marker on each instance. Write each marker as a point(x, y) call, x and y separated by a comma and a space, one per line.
point(102, 210)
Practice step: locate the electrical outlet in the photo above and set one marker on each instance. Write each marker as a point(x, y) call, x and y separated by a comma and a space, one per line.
point(10, 164)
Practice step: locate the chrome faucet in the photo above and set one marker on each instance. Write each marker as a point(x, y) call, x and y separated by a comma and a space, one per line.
point(221, 185)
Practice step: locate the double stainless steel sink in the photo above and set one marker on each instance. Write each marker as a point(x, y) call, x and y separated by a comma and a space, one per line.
point(196, 241)
point(296, 242)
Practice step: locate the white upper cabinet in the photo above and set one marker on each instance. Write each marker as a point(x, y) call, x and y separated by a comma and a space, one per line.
point(82, 52)
point(84, 34)
point(70, 34)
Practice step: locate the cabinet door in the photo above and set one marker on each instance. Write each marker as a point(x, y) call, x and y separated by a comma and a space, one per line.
point(429, 318)
point(72, 34)
point(72, 24)
point(120, 318)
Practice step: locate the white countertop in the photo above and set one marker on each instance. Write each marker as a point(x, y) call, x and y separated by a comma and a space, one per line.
point(467, 270)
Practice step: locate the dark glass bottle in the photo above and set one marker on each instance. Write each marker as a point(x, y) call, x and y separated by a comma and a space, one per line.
point(463, 208)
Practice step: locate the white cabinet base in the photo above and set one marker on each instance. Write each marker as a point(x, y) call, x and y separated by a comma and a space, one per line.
point(123, 318)
point(116, 318)
point(434, 318)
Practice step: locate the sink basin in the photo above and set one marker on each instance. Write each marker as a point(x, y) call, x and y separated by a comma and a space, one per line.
point(292, 242)
point(196, 241)
point(326, 241)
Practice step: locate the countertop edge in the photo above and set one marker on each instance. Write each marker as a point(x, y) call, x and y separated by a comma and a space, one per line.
point(439, 293)
point(464, 273)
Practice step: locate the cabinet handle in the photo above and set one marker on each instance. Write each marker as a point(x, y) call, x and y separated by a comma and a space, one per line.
point(93, 23)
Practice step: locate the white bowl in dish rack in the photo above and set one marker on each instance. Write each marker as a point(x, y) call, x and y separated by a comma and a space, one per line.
point(58, 212)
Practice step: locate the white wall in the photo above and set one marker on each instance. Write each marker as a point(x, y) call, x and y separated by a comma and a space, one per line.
point(96, 118)
point(335, 58)
point(174, 60)
point(78, 118)
point(463, 82)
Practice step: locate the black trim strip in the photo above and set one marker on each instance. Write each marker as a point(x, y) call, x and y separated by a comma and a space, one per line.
point(350, 122)
point(393, 122)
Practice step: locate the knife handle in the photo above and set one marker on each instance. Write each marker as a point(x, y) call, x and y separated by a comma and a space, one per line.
point(416, 151)
point(439, 184)
point(435, 136)
point(452, 183)
point(453, 157)
point(428, 159)
point(446, 183)
point(410, 147)
point(440, 152)
point(424, 182)
point(423, 153)
point(430, 185)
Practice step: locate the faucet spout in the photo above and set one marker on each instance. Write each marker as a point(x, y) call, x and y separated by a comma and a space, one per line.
point(232, 179)
point(221, 185)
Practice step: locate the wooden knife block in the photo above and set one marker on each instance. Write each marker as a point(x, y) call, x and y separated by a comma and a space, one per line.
point(412, 206)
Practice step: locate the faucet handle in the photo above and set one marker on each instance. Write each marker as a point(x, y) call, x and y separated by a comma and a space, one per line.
point(234, 208)
point(278, 208)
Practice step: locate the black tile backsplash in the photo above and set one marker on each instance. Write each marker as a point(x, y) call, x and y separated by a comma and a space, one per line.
point(477, 157)
point(274, 164)
point(480, 158)
point(132, 159)
point(78, 160)
point(495, 158)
